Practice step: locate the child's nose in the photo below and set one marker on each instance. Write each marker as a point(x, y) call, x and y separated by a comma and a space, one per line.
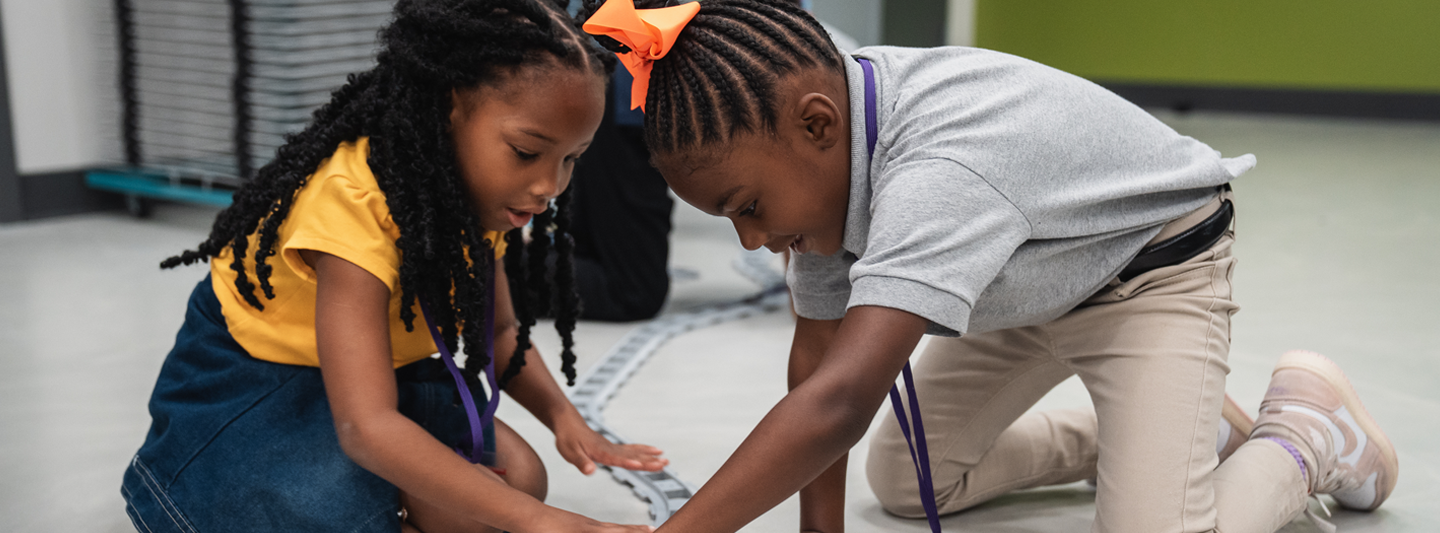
point(550, 185)
point(751, 237)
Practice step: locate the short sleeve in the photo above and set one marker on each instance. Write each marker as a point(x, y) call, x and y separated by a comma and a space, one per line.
point(497, 240)
point(820, 285)
point(337, 216)
point(939, 234)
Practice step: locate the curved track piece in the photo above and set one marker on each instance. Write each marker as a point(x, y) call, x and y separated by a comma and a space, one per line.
point(664, 490)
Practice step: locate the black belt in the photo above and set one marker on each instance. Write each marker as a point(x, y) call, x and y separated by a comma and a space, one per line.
point(1187, 244)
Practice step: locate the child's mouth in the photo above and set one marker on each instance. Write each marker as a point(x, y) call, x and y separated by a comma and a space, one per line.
point(519, 218)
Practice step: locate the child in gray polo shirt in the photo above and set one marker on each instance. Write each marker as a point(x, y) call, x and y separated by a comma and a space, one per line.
point(1039, 224)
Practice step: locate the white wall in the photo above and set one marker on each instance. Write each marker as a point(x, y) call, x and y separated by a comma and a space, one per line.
point(59, 57)
point(63, 101)
point(860, 19)
point(960, 23)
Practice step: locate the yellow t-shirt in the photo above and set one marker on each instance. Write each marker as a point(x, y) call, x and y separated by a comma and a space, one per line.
point(340, 211)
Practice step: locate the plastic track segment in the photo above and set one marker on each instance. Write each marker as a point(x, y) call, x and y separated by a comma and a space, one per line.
point(664, 491)
point(754, 265)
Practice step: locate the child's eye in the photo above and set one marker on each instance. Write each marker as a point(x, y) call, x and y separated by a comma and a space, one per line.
point(523, 155)
point(750, 209)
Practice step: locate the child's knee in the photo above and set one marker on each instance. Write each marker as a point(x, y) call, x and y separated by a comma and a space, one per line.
point(522, 467)
point(898, 494)
point(525, 477)
point(899, 500)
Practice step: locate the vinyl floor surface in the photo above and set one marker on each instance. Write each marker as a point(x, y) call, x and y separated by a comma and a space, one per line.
point(1338, 241)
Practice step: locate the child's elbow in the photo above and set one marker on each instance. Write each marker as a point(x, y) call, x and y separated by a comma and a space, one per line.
point(358, 439)
point(844, 416)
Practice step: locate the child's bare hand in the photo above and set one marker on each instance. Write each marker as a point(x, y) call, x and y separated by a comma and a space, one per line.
point(568, 522)
point(602, 527)
point(583, 447)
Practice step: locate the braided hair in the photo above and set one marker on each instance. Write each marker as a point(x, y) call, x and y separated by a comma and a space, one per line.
point(432, 49)
point(721, 77)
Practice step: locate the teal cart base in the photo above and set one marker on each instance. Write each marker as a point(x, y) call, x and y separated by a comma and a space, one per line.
point(142, 188)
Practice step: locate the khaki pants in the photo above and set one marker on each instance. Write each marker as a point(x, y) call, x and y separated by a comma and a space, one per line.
point(1152, 353)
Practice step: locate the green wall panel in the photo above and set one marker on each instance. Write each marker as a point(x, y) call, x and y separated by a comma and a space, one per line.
point(1381, 45)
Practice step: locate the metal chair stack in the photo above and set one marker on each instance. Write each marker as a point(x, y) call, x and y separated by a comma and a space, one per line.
point(209, 88)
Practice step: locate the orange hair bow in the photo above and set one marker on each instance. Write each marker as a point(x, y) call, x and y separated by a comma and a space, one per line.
point(649, 33)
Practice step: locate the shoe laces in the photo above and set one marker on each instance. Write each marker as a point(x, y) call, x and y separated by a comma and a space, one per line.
point(1326, 482)
point(1335, 479)
point(1324, 525)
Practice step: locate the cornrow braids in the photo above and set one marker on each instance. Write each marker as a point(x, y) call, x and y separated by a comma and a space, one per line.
point(431, 50)
point(721, 78)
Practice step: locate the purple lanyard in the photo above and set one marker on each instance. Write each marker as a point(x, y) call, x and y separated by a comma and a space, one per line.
point(478, 421)
point(920, 457)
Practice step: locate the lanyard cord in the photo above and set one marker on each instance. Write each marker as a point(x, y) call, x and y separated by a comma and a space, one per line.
point(478, 453)
point(919, 452)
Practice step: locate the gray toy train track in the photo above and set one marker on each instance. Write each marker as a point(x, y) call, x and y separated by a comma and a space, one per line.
point(664, 491)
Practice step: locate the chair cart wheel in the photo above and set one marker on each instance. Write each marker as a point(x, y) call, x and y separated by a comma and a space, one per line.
point(139, 206)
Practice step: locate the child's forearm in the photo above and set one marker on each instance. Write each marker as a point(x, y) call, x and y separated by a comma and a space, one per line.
point(822, 502)
point(798, 440)
point(812, 427)
point(535, 387)
point(401, 452)
point(352, 338)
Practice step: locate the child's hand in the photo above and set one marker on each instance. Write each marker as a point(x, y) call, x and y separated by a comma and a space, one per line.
point(604, 527)
point(583, 447)
point(567, 521)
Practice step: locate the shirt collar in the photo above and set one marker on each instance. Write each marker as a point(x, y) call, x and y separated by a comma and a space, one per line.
point(857, 217)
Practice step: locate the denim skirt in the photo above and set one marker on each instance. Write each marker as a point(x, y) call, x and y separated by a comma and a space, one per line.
point(240, 444)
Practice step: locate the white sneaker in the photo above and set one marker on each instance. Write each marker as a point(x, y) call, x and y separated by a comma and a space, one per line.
point(1311, 404)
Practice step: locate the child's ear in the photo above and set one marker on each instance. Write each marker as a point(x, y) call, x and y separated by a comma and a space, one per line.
point(822, 120)
point(457, 111)
point(460, 107)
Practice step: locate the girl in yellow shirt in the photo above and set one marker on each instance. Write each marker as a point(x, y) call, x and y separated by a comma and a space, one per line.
point(300, 394)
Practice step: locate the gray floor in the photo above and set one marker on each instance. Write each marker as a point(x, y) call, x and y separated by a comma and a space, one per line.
point(1339, 232)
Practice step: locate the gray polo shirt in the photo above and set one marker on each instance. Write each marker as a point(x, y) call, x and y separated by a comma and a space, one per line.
point(1002, 192)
